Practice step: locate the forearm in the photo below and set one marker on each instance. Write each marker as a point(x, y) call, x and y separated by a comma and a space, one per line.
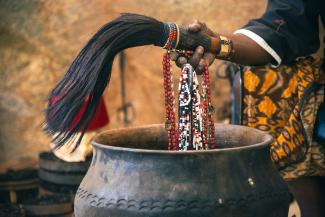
point(207, 46)
point(247, 51)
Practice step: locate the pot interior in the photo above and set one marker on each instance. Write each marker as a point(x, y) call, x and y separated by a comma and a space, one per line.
point(154, 137)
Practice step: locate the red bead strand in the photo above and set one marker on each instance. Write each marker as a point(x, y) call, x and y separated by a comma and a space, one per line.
point(210, 129)
point(169, 104)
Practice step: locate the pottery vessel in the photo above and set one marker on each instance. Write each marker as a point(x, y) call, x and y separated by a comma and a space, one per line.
point(133, 175)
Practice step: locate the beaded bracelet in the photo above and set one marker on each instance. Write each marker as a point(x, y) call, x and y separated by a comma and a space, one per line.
point(173, 36)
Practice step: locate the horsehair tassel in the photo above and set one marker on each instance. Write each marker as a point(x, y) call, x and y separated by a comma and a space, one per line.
point(90, 72)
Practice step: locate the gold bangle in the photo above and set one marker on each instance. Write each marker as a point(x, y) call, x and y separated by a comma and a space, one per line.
point(226, 49)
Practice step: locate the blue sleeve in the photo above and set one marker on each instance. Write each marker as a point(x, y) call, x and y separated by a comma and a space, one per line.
point(289, 27)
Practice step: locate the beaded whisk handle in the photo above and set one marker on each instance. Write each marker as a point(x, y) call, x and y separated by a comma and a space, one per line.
point(177, 37)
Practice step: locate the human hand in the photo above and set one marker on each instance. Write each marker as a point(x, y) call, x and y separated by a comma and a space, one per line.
point(199, 59)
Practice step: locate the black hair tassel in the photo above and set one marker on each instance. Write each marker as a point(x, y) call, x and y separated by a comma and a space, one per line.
point(90, 72)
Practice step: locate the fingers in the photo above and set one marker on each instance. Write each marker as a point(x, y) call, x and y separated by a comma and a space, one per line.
point(178, 59)
point(194, 60)
point(174, 55)
point(207, 60)
point(181, 61)
point(200, 68)
point(198, 60)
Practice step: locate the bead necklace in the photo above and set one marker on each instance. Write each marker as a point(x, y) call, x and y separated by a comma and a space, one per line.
point(195, 122)
point(209, 129)
point(189, 111)
point(170, 124)
point(185, 108)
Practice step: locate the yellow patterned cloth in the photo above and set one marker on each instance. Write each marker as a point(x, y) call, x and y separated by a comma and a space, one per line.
point(284, 102)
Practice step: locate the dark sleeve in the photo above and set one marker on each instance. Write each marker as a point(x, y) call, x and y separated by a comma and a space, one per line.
point(289, 27)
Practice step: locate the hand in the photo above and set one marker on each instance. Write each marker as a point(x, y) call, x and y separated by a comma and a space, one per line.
point(200, 58)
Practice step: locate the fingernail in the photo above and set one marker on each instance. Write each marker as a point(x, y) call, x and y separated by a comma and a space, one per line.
point(200, 49)
point(182, 60)
point(173, 56)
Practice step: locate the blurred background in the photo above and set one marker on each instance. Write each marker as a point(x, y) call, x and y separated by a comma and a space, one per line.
point(39, 39)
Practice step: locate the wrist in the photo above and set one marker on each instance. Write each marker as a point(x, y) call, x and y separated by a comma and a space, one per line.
point(215, 45)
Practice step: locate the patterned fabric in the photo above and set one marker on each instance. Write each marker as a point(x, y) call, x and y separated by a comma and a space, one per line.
point(284, 102)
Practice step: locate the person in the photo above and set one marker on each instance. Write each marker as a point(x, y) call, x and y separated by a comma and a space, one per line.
point(287, 30)
point(282, 89)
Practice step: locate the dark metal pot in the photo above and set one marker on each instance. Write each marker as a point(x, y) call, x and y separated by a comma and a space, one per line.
point(133, 175)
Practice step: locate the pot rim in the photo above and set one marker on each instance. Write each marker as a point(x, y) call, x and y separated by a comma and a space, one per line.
point(267, 142)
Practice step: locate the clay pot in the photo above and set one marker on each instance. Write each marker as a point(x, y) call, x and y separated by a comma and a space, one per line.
point(133, 175)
